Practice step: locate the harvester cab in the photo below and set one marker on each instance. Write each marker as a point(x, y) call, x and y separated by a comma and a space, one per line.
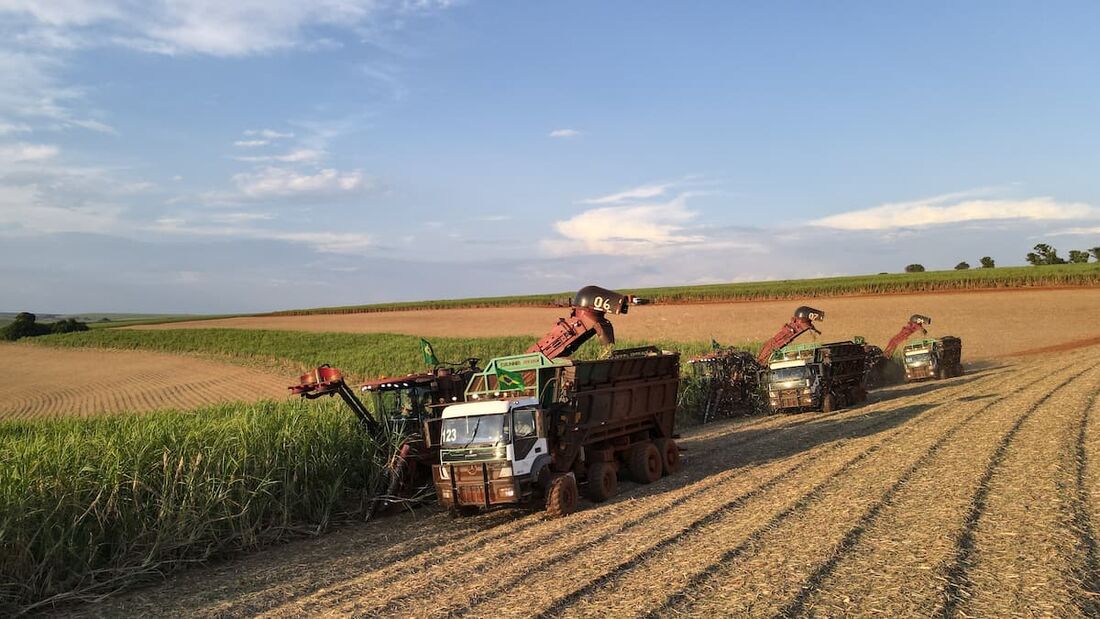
point(586, 319)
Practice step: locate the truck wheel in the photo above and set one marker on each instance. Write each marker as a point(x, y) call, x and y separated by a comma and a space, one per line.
point(645, 463)
point(827, 403)
point(670, 454)
point(561, 498)
point(941, 373)
point(603, 482)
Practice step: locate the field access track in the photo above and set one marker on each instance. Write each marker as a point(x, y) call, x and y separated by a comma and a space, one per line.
point(977, 496)
point(51, 382)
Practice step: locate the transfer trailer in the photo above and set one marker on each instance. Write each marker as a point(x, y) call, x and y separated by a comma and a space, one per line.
point(933, 358)
point(824, 377)
point(538, 429)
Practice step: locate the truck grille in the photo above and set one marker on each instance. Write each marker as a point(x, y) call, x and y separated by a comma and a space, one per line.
point(471, 495)
point(788, 398)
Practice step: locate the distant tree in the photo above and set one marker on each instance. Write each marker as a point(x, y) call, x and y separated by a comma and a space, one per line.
point(1077, 256)
point(1044, 254)
point(25, 325)
point(962, 266)
point(914, 268)
point(1095, 251)
point(70, 325)
point(987, 262)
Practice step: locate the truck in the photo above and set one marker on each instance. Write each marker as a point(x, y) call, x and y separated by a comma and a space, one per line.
point(729, 379)
point(535, 429)
point(824, 377)
point(410, 406)
point(933, 358)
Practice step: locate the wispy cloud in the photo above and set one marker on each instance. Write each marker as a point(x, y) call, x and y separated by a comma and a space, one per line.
point(250, 143)
point(956, 208)
point(642, 192)
point(268, 134)
point(299, 155)
point(238, 28)
point(327, 242)
point(21, 152)
point(565, 133)
point(276, 182)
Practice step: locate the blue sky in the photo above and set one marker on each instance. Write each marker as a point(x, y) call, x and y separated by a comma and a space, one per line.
point(202, 156)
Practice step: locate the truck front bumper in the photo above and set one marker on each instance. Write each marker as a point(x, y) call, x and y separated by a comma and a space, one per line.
point(920, 372)
point(475, 485)
point(787, 399)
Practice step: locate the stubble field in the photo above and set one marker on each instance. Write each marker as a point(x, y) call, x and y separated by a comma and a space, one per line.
point(991, 323)
point(976, 496)
point(49, 382)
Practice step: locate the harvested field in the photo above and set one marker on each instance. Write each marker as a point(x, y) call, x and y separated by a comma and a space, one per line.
point(44, 382)
point(991, 324)
point(975, 496)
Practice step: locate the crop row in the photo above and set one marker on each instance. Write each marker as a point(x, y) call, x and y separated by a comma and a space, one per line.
point(360, 355)
point(887, 283)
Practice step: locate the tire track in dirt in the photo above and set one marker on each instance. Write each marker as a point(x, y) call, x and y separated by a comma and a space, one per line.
point(460, 563)
point(812, 584)
point(719, 560)
point(548, 531)
point(1088, 568)
point(892, 564)
point(1034, 542)
point(958, 584)
point(684, 531)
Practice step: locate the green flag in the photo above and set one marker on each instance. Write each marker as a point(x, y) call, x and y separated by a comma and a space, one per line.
point(429, 354)
point(508, 380)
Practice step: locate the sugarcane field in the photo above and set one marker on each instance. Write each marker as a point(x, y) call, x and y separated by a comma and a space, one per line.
point(467, 309)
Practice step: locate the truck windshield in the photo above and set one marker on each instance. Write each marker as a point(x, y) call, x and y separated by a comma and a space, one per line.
point(474, 431)
point(918, 359)
point(784, 375)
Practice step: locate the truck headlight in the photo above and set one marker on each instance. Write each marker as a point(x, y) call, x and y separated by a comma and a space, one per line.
point(506, 471)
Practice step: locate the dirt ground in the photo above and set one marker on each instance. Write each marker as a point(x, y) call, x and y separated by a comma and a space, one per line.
point(976, 496)
point(991, 323)
point(42, 382)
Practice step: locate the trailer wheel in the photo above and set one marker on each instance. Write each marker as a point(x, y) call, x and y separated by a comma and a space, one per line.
point(603, 482)
point(645, 463)
point(827, 403)
point(670, 454)
point(561, 498)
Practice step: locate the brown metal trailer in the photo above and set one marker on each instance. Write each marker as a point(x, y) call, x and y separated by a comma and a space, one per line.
point(534, 428)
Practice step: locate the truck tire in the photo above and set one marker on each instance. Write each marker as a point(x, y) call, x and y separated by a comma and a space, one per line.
point(603, 482)
point(670, 455)
point(827, 403)
point(561, 498)
point(645, 463)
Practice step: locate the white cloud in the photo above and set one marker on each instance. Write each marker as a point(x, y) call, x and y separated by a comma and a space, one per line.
point(637, 229)
point(31, 94)
point(643, 192)
point(564, 133)
point(6, 128)
point(268, 134)
point(211, 27)
point(955, 208)
point(301, 155)
point(274, 182)
point(250, 143)
point(327, 242)
point(21, 152)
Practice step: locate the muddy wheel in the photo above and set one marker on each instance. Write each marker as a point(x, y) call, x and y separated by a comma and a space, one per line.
point(941, 373)
point(561, 497)
point(603, 482)
point(645, 463)
point(828, 405)
point(670, 455)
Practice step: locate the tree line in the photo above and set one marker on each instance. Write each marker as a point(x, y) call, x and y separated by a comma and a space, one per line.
point(1042, 254)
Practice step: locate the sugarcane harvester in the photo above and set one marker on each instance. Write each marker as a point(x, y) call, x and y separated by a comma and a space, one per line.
point(730, 378)
point(927, 357)
point(410, 406)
